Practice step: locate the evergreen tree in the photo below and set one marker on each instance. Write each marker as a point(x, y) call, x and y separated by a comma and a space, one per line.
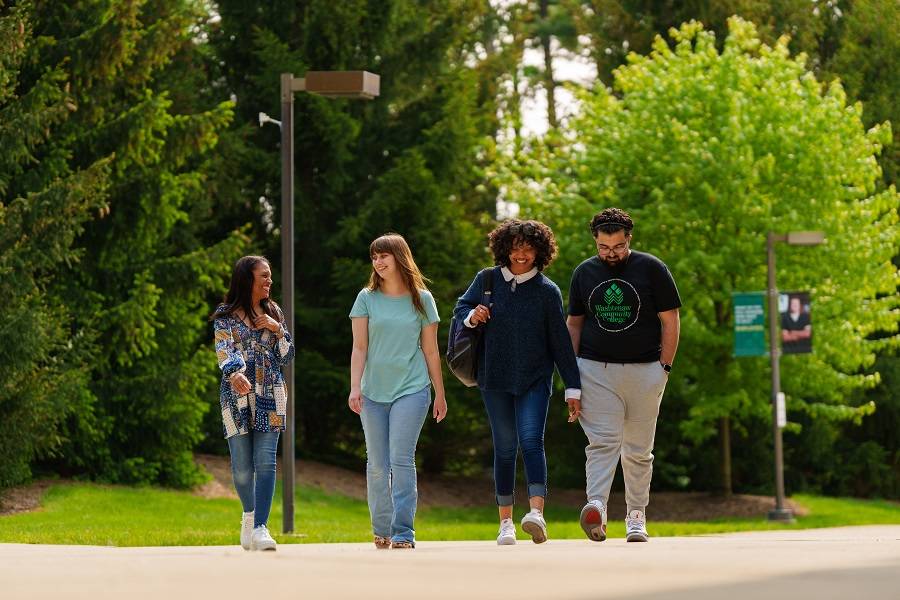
point(866, 61)
point(43, 206)
point(147, 277)
point(406, 162)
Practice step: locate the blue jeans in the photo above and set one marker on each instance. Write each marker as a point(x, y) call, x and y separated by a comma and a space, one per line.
point(392, 430)
point(519, 420)
point(253, 470)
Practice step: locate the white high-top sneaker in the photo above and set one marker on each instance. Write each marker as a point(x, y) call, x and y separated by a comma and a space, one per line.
point(507, 536)
point(261, 540)
point(534, 525)
point(593, 520)
point(636, 527)
point(246, 529)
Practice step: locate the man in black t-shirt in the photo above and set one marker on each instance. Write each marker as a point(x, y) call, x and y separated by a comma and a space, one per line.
point(624, 324)
point(796, 328)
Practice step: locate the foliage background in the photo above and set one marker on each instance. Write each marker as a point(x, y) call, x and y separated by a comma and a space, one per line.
point(133, 174)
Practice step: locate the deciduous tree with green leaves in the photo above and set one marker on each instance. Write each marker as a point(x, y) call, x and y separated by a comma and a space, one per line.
point(710, 150)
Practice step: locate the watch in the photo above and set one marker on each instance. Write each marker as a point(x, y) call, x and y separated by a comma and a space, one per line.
point(667, 367)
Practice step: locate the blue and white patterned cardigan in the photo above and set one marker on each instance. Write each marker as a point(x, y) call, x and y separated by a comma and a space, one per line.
point(259, 355)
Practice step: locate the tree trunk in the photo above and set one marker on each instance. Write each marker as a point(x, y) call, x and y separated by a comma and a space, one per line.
point(725, 455)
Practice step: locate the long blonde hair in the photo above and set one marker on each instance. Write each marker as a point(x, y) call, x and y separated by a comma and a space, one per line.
point(396, 246)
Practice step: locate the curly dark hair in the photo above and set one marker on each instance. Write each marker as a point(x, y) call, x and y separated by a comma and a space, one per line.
point(611, 220)
point(513, 232)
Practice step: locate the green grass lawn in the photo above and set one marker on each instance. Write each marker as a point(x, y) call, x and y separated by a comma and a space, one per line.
point(125, 516)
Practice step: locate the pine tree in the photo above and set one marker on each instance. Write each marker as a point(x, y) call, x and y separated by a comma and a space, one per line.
point(148, 274)
point(408, 162)
point(43, 206)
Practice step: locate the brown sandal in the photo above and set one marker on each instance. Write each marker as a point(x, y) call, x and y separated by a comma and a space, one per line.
point(403, 545)
point(382, 543)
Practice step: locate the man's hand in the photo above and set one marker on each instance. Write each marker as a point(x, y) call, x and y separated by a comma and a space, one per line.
point(574, 409)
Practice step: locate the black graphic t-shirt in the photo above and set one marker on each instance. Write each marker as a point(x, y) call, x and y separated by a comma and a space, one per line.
point(620, 307)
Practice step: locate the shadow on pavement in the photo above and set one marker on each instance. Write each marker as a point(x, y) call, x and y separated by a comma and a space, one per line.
point(871, 583)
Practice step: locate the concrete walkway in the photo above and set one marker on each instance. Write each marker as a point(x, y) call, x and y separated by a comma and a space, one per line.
point(854, 563)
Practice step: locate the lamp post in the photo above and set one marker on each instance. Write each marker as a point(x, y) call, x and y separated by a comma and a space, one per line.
point(331, 84)
point(796, 238)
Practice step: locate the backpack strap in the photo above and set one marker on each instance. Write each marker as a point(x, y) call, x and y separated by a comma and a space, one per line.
point(487, 283)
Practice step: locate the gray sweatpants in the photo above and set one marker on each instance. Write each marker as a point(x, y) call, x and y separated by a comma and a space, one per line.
point(619, 406)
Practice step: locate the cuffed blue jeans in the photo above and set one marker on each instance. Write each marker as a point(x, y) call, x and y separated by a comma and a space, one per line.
point(392, 431)
point(519, 420)
point(253, 470)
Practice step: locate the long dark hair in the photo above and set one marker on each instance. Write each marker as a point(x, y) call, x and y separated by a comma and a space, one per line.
point(240, 292)
point(395, 245)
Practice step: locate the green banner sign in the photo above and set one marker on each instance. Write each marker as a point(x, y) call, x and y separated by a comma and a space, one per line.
point(749, 323)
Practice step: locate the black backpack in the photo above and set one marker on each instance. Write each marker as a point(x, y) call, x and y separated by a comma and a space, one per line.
point(465, 342)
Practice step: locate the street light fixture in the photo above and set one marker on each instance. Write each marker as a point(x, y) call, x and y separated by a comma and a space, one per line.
point(360, 85)
point(264, 118)
point(795, 238)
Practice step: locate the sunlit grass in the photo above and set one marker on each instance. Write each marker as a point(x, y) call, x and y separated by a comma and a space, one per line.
point(126, 516)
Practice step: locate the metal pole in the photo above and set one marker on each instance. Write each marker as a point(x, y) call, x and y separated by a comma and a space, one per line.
point(780, 513)
point(287, 291)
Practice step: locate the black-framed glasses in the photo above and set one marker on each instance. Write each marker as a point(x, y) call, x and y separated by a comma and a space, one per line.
point(603, 249)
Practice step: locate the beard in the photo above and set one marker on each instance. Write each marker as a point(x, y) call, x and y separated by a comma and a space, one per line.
point(614, 263)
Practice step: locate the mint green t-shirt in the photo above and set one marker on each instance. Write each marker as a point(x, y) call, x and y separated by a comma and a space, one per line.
point(395, 363)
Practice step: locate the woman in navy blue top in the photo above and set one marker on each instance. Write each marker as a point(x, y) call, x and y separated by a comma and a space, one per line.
point(525, 335)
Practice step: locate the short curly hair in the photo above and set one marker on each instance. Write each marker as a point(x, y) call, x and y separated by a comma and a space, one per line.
point(513, 232)
point(611, 220)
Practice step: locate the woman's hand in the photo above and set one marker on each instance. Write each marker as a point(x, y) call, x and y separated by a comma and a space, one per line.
point(266, 322)
point(239, 383)
point(439, 411)
point(355, 401)
point(481, 315)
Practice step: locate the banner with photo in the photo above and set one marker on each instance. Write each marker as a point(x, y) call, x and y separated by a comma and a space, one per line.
point(796, 322)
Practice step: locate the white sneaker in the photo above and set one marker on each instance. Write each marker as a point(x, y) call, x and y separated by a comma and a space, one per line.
point(261, 540)
point(534, 525)
point(636, 527)
point(246, 530)
point(593, 520)
point(507, 536)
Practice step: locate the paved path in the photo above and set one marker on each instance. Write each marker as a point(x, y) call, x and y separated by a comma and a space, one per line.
point(854, 563)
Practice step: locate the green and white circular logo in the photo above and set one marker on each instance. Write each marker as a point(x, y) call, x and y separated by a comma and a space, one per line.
point(615, 304)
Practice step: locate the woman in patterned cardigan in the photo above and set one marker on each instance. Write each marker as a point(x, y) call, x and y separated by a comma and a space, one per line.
point(252, 344)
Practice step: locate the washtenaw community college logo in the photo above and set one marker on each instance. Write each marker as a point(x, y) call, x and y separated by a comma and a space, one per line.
point(615, 304)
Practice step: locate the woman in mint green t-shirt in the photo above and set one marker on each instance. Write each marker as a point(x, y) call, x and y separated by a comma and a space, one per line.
point(394, 364)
